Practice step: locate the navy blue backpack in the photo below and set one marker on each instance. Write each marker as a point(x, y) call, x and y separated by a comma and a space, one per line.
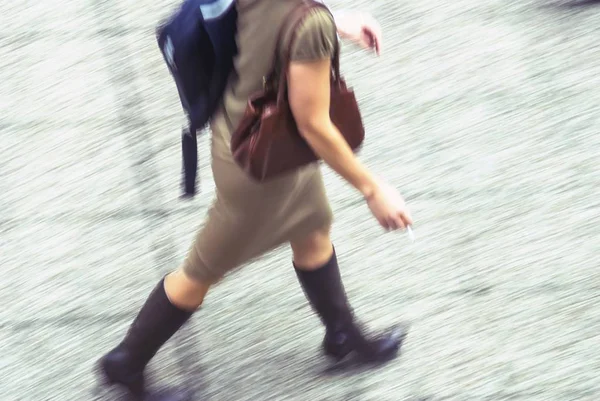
point(198, 44)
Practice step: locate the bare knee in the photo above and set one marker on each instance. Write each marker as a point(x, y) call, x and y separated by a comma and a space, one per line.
point(185, 291)
point(312, 251)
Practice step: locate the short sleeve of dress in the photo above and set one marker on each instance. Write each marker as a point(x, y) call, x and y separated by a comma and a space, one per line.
point(316, 38)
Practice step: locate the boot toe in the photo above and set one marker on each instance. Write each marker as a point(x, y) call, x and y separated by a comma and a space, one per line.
point(389, 345)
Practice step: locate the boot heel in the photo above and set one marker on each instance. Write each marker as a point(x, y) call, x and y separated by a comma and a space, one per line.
point(103, 379)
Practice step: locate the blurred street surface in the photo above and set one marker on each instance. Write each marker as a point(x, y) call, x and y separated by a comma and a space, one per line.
point(486, 114)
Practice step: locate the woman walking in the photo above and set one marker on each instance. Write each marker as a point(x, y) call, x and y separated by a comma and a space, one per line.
point(249, 218)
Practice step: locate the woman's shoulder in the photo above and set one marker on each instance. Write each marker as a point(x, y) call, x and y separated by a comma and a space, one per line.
point(315, 37)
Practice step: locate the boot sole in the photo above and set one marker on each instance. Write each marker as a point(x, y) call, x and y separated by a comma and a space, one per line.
point(354, 363)
point(106, 381)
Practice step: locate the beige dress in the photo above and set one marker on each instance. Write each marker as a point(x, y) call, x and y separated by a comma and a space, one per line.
point(249, 218)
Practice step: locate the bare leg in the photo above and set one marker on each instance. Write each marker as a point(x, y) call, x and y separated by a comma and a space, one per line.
point(185, 292)
point(313, 251)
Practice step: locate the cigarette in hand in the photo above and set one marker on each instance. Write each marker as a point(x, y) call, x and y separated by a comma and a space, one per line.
point(410, 233)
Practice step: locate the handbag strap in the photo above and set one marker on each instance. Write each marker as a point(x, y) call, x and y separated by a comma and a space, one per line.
point(300, 13)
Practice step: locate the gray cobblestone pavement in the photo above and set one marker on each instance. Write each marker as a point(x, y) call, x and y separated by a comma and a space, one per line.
point(485, 113)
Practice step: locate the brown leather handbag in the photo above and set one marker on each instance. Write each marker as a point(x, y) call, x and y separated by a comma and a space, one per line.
point(267, 142)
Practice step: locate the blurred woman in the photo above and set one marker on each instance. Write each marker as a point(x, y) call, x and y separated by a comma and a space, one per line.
point(249, 218)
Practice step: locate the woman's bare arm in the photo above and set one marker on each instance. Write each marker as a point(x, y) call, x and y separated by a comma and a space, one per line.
point(309, 96)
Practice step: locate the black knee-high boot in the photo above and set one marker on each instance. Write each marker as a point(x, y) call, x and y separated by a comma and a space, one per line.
point(324, 289)
point(155, 323)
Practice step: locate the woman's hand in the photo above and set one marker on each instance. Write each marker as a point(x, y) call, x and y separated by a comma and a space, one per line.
point(388, 207)
point(360, 28)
